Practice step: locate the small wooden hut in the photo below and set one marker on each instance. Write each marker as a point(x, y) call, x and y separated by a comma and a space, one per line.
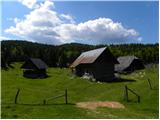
point(128, 64)
point(34, 68)
point(98, 63)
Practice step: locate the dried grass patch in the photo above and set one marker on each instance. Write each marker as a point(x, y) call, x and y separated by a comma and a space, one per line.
point(94, 105)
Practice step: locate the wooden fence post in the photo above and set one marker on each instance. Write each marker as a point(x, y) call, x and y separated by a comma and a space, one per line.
point(16, 97)
point(128, 89)
point(44, 102)
point(150, 84)
point(66, 96)
point(139, 99)
point(126, 93)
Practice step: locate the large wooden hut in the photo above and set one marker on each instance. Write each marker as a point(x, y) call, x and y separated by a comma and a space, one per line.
point(128, 64)
point(34, 68)
point(98, 63)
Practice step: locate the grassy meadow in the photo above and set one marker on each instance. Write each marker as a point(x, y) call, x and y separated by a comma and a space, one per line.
point(34, 91)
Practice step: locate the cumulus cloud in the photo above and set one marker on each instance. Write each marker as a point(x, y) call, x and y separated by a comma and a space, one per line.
point(38, 24)
point(98, 31)
point(43, 24)
point(28, 3)
point(16, 20)
point(67, 18)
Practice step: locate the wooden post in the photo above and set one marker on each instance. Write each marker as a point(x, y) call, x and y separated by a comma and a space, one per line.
point(66, 96)
point(126, 92)
point(150, 84)
point(44, 102)
point(16, 97)
point(138, 99)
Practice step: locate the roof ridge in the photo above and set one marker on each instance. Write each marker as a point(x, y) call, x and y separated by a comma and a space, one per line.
point(88, 56)
point(94, 50)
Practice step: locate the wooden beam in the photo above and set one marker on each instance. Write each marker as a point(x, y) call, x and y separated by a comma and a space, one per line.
point(66, 96)
point(44, 102)
point(150, 84)
point(126, 91)
point(16, 97)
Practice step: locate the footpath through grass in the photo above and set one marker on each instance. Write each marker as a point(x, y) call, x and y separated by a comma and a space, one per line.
point(34, 91)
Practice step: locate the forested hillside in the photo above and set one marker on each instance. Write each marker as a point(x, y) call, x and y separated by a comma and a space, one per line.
point(64, 55)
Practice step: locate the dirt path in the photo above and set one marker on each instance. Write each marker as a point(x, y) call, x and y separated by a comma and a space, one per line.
point(94, 105)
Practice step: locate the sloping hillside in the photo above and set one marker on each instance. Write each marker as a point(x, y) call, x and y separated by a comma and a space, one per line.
point(34, 91)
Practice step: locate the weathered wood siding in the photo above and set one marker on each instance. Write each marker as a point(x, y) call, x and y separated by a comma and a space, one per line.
point(104, 68)
point(104, 71)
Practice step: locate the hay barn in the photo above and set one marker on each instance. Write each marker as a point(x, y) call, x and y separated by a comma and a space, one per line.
point(98, 63)
point(34, 68)
point(128, 64)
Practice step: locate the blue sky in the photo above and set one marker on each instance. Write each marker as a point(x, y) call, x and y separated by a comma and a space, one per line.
point(84, 22)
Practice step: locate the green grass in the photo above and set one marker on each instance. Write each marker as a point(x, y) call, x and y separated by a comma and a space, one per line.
point(34, 91)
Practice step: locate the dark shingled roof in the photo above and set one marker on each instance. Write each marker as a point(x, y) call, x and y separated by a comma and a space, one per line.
point(89, 57)
point(125, 62)
point(38, 63)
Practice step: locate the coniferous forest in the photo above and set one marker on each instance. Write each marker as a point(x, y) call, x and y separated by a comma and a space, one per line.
point(64, 55)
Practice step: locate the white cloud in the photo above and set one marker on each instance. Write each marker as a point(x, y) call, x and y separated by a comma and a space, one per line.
point(4, 38)
point(67, 18)
point(38, 24)
point(16, 20)
point(43, 24)
point(29, 3)
point(98, 31)
point(47, 4)
point(140, 39)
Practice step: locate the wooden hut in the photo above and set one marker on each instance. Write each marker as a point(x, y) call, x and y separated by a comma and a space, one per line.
point(34, 68)
point(128, 64)
point(98, 63)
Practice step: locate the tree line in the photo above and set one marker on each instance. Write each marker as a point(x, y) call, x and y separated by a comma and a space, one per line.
point(64, 55)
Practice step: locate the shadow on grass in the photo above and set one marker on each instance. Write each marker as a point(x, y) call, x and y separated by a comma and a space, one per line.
point(155, 89)
point(123, 80)
point(131, 101)
point(118, 80)
point(37, 77)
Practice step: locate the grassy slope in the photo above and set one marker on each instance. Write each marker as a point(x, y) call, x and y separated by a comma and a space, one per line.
point(33, 91)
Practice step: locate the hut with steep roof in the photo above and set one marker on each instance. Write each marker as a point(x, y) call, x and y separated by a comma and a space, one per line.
point(99, 63)
point(128, 64)
point(34, 68)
